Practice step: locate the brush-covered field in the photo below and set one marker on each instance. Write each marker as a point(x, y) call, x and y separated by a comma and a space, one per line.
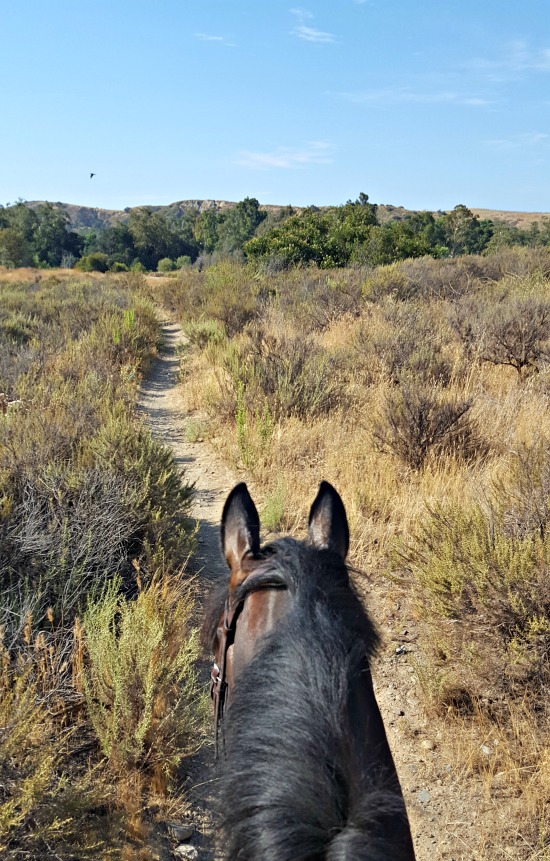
point(99, 701)
point(421, 390)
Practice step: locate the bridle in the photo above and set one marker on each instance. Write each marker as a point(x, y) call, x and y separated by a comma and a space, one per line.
point(219, 686)
point(218, 676)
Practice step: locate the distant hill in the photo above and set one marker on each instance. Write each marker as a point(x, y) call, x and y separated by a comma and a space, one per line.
point(523, 220)
point(91, 217)
point(82, 217)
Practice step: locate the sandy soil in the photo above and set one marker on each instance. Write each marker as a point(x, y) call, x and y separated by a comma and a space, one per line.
point(445, 818)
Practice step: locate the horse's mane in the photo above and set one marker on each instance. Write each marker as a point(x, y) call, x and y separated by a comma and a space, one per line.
point(289, 784)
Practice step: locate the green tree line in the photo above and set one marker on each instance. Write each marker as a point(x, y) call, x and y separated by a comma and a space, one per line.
point(334, 236)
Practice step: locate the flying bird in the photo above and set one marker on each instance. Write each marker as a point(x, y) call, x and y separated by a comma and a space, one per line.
point(92, 174)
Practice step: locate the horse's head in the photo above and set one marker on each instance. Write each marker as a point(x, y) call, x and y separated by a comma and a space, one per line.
point(258, 595)
point(307, 770)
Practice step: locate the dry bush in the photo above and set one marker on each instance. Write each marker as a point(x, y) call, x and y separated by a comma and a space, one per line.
point(508, 754)
point(518, 334)
point(227, 293)
point(483, 603)
point(201, 333)
point(315, 298)
point(289, 374)
point(15, 361)
point(387, 280)
point(485, 590)
point(417, 420)
point(480, 567)
point(409, 341)
point(521, 262)
point(230, 297)
point(47, 796)
point(83, 488)
point(426, 278)
point(66, 525)
point(179, 294)
point(84, 491)
point(453, 278)
point(508, 324)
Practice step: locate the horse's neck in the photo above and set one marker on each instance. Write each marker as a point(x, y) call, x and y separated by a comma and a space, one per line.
point(366, 727)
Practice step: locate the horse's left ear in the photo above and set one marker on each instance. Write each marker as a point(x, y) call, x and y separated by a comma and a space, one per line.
point(240, 527)
point(328, 524)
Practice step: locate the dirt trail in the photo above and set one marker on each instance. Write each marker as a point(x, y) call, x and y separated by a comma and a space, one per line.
point(443, 820)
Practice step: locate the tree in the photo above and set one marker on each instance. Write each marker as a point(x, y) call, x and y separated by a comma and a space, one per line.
point(155, 236)
point(239, 225)
point(14, 250)
point(205, 230)
point(117, 242)
point(166, 265)
point(464, 232)
point(52, 237)
point(17, 245)
point(330, 237)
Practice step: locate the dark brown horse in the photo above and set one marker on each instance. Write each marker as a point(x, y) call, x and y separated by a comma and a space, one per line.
point(307, 773)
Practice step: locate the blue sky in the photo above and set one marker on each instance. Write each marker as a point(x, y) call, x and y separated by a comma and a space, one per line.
point(424, 105)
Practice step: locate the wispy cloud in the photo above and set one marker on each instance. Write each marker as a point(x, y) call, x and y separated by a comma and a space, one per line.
point(304, 31)
point(301, 13)
point(209, 37)
point(315, 152)
point(516, 58)
point(395, 95)
point(527, 140)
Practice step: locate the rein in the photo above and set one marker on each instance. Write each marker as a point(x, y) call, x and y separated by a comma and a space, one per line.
point(219, 687)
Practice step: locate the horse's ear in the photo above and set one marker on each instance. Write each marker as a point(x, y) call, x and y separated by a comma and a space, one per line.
point(328, 524)
point(240, 527)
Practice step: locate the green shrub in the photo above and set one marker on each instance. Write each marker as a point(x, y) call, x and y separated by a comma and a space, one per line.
point(140, 682)
point(166, 265)
point(137, 266)
point(96, 262)
point(200, 333)
point(273, 512)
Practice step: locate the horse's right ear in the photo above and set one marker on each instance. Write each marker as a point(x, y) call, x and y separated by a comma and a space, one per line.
point(240, 527)
point(328, 524)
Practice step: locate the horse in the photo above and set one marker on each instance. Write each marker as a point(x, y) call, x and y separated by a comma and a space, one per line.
point(306, 769)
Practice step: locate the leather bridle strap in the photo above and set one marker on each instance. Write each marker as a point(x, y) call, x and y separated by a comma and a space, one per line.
point(226, 638)
point(218, 683)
